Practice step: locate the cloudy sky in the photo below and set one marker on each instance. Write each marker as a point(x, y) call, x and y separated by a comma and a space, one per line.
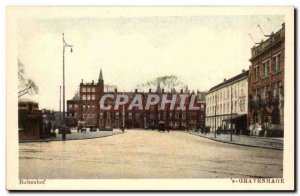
point(201, 50)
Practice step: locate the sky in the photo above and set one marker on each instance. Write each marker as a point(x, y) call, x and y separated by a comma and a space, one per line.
point(201, 50)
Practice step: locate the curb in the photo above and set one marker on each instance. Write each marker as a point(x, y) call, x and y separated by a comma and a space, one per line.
point(247, 145)
point(33, 141)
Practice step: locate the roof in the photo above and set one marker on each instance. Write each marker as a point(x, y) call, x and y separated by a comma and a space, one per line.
point(230, 80)
point(25, 100)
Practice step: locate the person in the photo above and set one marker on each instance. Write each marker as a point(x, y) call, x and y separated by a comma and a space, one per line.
point(218, 130)
point(49, 127)
point(79, 128)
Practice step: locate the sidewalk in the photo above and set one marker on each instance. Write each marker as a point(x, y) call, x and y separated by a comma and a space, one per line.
point(253, 141)
point(77, 136)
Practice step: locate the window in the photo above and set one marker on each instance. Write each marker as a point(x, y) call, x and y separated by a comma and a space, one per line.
point(266, 68)
point(275, 88)
point(242, 105)
point(265, 91)
point(88, 97)
point(276, 63)
point(176, 115)
point(83, 89)
point(83, 97)
point(101, 114)
point(256, 73)
point(75, 106)
point(151, 116)
point(183, 116)
point(93, 97)
point(88, 89)
point(235, 106)
point(202, 106)
point(70, 106)
point(93, 89)
point(108, 114)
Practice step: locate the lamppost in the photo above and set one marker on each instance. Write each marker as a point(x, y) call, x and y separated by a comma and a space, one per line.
point(231, 112)
point(65, 45)
point(60, 105)
point(216, 97)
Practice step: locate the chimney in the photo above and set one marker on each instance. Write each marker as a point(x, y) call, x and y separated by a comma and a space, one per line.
point(243, 71)
point(224, 79)
point(149, 90)
point(116, 90)
point(82, 81)
point(135, 90)
point(92, 81)
point(162, 90)
point(181, 91)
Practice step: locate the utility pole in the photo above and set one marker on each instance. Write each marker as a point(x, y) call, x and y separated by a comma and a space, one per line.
point(216, 115)
point(60, 105)
point(64, 122)
point(123, 116)
point(231, 113)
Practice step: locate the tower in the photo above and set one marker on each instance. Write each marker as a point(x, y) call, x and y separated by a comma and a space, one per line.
point(158, 89)
point(100, 79)
point(101, 82)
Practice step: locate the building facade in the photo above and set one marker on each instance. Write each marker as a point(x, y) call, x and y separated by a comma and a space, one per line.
point(266, 83)
point(86, 107)
point(227, 104)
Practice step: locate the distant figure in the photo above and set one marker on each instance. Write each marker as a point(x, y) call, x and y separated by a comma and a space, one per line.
point(79, 128)
point(49, 127)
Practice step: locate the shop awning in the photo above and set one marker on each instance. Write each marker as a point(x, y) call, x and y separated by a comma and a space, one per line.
point(235, 117)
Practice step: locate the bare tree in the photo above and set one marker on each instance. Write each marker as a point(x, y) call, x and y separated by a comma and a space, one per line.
point(26, 85)
point(169, 83)
point(110, 87)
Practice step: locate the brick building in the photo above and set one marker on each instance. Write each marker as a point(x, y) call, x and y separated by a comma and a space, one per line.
point(86, 107)
point(266, 83)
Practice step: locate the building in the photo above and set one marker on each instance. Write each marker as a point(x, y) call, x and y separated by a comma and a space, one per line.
point(202, 102)
point(227, 104)
point(266, 83)
point(86, 108)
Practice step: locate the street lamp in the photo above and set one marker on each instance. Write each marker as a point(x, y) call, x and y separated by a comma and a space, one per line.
point(216, 115)
point(65, 45)
point(231, 103)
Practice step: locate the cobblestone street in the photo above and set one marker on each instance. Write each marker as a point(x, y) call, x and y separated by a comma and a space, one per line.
point(146, 154)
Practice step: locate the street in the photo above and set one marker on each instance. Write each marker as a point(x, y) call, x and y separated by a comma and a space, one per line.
point(146, 154)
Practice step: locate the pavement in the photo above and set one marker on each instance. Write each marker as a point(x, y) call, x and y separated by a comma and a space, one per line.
point(251, 141)
point(77, 136)
point(143, 154)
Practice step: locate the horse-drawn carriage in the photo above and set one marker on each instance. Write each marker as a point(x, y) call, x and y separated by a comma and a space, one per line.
point(162, 126)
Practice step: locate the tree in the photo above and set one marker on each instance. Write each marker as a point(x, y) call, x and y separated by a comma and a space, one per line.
point(169, 83)
point(25, 85)
point(110, 87)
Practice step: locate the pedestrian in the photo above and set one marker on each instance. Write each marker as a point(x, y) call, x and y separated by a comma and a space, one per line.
point(49, 127)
